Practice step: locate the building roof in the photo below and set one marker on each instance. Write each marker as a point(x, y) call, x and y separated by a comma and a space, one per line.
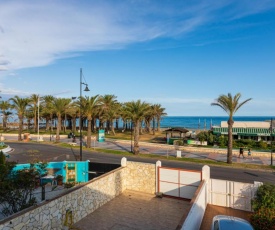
point(177, 129)
point(247, 124)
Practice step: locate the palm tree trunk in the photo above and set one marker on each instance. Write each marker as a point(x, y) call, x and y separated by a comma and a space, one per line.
point(47, 123)
point(136, 137)
point(147, 126)
point(5, 119)
point(158, 124)
point(29, 124)
point(20, 128)
point(51, 118)
point(89, 133)
point(73, 124)
point(113, 129)
point(35, 120)
point(58, 128)
point(140, 128)
point(154, 128)
point(230, 123)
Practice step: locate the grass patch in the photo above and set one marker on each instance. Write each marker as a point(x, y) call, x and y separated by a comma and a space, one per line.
point(111, 151)
point(187, 160)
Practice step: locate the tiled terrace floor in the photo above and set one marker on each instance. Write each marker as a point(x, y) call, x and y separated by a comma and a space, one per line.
point(213, 210)
point(135, 210)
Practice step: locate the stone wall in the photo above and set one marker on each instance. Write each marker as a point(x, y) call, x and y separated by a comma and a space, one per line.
point(141, 177)
point(79, 201)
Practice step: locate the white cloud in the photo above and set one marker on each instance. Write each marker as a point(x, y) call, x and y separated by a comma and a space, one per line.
point(36, 33)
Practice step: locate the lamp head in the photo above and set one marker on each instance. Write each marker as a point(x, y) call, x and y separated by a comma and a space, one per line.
point(86, 88)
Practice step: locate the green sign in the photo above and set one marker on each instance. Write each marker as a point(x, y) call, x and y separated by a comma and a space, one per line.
point(101, 135)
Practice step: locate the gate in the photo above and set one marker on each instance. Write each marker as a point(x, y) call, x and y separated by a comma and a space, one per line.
point(178, 182)
point(232, 194)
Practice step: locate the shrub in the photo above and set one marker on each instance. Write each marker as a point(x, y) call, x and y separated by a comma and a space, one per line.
point(263, 219)
point(262, 144)
point(222, 140)
point(265, 197)
point(263, 205)
point(244, 142)
point(178, 142)
point(69, 184)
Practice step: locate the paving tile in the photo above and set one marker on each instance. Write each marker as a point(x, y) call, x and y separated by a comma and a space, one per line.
point(136, 210)
point(212, 156)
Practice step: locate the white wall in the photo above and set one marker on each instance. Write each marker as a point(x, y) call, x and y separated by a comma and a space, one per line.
point(199, 203)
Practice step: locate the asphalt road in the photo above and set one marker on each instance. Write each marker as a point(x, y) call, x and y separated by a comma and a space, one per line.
point(27, 152)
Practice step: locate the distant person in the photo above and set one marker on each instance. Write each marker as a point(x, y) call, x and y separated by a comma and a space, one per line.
point(241, 152)
point(249, 154)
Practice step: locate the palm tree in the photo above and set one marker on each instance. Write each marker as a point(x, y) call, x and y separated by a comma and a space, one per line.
point(107, 102)
point(34, 100)
point(59, 107)
point(20, 105)
point(89, 107)
point(4, 107)
point(47, 110)
point(230, 105)
point(160, 112)
point(136, 111)
point(68, 103)
point(73, 113)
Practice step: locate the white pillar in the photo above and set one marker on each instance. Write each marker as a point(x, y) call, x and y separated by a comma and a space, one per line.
point(158, 164)
point(206, 177)
point(205, 172)
point(123, 162)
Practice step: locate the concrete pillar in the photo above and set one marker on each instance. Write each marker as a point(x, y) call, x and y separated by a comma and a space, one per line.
point(123, 162)
point(158, 164)
point(206, 172)
point(206, 177)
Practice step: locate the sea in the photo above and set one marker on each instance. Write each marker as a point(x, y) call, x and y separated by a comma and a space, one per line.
point(201, 122)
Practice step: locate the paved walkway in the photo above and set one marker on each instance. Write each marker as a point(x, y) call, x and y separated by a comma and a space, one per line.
point(135, 210)
point(213, 210)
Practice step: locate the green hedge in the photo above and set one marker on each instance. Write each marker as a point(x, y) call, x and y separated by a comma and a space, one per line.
point(263, 205)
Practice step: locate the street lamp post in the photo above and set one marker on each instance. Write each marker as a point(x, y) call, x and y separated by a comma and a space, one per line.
point(80, 118)
point(38, 119)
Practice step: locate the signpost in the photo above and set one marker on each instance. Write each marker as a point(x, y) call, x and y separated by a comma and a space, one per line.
point(101, 135)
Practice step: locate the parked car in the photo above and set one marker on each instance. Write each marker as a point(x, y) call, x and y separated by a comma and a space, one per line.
point(222, 222)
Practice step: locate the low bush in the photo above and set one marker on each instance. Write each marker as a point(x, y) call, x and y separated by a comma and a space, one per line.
point(265, 197)
point(69, 184)
point(263, 205)
point(263, 219)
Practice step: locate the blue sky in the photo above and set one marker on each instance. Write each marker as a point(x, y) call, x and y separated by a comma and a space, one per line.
point(180, 54)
